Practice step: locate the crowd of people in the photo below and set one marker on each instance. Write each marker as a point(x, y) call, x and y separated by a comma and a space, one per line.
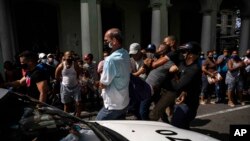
point(174, 80)
point(226, 76)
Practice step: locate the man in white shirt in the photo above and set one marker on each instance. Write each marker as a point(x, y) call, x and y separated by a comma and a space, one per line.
point(136, 60)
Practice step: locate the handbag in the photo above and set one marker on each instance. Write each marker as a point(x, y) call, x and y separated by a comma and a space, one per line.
point(212, 80)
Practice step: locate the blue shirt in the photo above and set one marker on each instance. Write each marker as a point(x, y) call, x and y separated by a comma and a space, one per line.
point(222, 67)
point(116, 76)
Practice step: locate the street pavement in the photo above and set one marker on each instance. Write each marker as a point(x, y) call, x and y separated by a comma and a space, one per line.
point(215, 119)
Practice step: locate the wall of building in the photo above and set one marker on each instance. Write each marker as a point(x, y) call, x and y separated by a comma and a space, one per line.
point(174, 22)
point(131, 22)
point(130, 18)
point(69, 26)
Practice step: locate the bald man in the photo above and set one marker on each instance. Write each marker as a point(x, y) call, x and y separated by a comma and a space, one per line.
point(115, 78)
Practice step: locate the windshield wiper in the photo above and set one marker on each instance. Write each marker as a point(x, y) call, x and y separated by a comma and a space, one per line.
point(99, 131)
point(109, 133)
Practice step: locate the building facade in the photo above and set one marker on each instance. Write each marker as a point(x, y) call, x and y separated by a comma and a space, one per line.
point(52, 26)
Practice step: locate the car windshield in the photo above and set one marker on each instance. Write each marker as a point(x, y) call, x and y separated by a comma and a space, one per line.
point(26, 119)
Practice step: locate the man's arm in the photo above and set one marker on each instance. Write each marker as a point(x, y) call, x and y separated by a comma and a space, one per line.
point(247, 62)
point(220, 60)
point(100, 67)
point(184, 80)
point(16, 83)
point(181, 98)
point(78, 70)
point(108, 74)
point(160, 62)
point(140, 71)
point(173, 69)
point(58, 72)
point(231, 67)
point(43, 89)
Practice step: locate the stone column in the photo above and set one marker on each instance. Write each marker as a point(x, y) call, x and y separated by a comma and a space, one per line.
point(244, 37)
point(206, 33)
point(224, 20)
point(156, 22)
point(85, 27)
point(7, 50)
point(209, 9)
point(99, 30)
point(91, 28)
point(164, 18)
point(245, 27)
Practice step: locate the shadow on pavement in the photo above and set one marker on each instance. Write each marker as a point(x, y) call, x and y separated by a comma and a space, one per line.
point(219, 136)
point(199, 122)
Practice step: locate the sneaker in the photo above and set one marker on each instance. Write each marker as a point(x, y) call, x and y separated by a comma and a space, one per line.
point(231, 104)
point(243, 103)
point(213, 102)
point(202, 102)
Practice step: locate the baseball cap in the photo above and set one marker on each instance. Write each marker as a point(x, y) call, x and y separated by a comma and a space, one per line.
point(134, 48)
point(41, 55)
point(50, 55)
point(192, 47)
point(151, 47)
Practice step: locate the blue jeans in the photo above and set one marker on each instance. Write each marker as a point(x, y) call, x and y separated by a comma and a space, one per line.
point(220, 91)
point(144, 109)
point(105, 114)
point(207, 89)
point(140, 108)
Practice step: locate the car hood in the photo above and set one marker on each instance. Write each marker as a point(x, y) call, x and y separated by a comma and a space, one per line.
point(152, 130)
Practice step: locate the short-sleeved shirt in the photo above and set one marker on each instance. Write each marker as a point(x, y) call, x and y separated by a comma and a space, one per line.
point(222, 67)
point(116, 76)
point(158, 75)
point(92, 70)
point(136, 65)
point(32, 78)
point(189, 81)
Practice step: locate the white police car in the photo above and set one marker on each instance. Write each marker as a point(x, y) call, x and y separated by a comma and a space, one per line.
point(22, 120)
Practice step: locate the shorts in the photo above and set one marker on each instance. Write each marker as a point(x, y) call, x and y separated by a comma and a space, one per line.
point(69, 93)
point(235, 83)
